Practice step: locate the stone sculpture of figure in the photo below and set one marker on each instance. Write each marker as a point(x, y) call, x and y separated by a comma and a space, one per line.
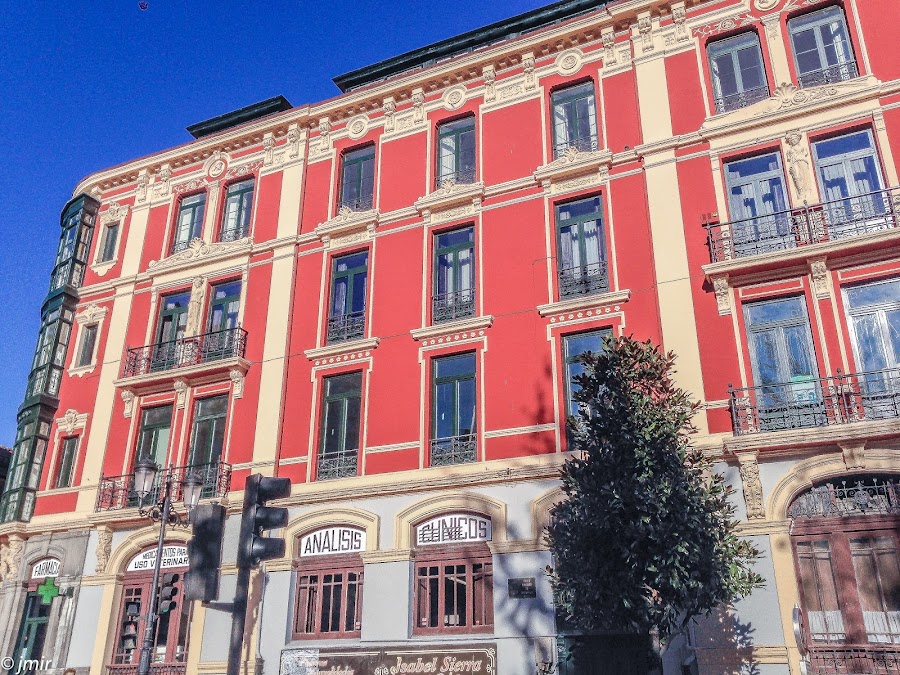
point(798, 163)
point(195, 307)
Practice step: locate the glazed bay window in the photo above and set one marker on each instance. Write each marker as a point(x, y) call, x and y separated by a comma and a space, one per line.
point(189, 225)
point(453, 438)
point(454, 275)
point(581, 248)
point(65, 464)
point(738, 73)
point(329, 600)
point(108, 243)
point(358, 178)
point(238, 207)
point(349, 278)
point(208, 436)
point(456, 151)
point(822, 49)
point(86, 346)
point(455, 595)
point(574, 119)
point(341, 408)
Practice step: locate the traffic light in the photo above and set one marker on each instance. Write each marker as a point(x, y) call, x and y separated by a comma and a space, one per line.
point(252, 546)
point(168, 592)
point(201, 582)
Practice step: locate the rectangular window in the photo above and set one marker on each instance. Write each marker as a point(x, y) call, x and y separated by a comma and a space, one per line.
point(189, 225)
point(108, 243)
point(169, 351)
point(238, 207)
point(738, 73)
point(223, 337)
point(329, 604)
point(820, 595)
point(456, 151)
point(208, 437)
point(455, 596)
point(454, 275)
point(581, 248)
point(574, 119)
point(33, 630)
point(341, 407)
point(358, 178)
point(172, 630)
point(86, 348)
point(349, 278)
point(573, 347)
point(153, 438)
point(760, 218)
point(877, 569)
point(65, 466)
point(453, 438)
point(822, 49)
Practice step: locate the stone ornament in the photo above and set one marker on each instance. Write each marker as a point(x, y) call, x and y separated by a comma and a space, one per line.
point(645, 30)
point(358, 127)
point(723, 295)
point(454, 97)
point(143, 181)
point(753, 490)
point(490, 77)
point(237, 383)
point(818, 269)
point(163, 181)
point(181, 388)
point(418, 99)
point(679, 16)
point(293, 141)
point(69, 421)
point(195, 306)
point(199, 249)
point(11, 558)
point(765, 5)
point(128, 400)
point(798, 163)
point(528, 68)
point(268, 149)
point(608, 38)
point(570, 61)
point(104, 548)
point(114, 212)
point(389, 107)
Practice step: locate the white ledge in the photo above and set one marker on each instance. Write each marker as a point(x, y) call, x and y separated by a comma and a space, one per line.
point(342, 348)
point(448, 327)
point(451, 194)
point(346, 221)
point(574, 162)
point(585, 302)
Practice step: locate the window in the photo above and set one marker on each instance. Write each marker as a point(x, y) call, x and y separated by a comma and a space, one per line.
point(358, 178)
point(877, 570)
point(573, 347)
point(823, 610)
point(347, 319)
point(454, 275)
point(738, 74)
point(453, 438)
point(456, 151)
point(65, 467)
point(329, 600)
point(169, 352)
point(574, 119)
point(339, 454)
point(33, 630)
point(189, 225)
point(108, 243)
point(172, 630)
point(822, 49)
point(86, 348)
point(208, 437)
point(582, 248)
point(760, 218)
point(153, 438)
point(455, 595)
point(223, 337)
point(238, 207)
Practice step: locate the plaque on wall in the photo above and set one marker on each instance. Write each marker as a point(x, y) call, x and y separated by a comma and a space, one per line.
point(522, 588)
point(476, 659)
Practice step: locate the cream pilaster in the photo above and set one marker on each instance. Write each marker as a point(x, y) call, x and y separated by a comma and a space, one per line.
point(774, 37)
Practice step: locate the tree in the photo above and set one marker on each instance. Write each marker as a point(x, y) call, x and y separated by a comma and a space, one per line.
point(646, 539)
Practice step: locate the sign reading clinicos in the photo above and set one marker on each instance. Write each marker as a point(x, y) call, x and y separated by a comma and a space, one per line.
point(457, 528)
point(332, 541)
point(45, 568)
point(173, 556)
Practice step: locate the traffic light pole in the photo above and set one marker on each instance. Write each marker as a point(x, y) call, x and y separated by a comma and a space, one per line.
point(238, 620)
point(150, 619)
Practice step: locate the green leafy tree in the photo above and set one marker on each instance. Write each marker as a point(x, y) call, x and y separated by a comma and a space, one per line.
point(646, 539)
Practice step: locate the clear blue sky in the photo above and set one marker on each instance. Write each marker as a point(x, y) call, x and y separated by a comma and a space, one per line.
point(87, 84)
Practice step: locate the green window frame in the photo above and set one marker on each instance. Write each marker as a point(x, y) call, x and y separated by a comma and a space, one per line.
point(341, 414)
point(109, 242)
point(65, 467)
point(208, 436)
point(237, 211)
point(189, 224)
point(224, 306)
point(455, 154)
point(581, 248)
point(454, 409)
point(574, 118)
point(153, 437)
point(358, 178)
point(32, 630)
point(454, 275)
point(87, 344)
point(349, 288)
point(574, 345)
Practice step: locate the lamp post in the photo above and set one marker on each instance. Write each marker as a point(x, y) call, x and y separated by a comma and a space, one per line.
point(145, 471)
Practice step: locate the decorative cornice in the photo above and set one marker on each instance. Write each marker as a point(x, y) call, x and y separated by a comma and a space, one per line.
point(451, 200)
point(585, 303)
point(837, 434)
point(343, 349)
point(348, 222)
point(575, 163)
point(449, 327)
point(199, 251)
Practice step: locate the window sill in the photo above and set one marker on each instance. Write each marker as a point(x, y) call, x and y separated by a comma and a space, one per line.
point(449, 327)
point(101, 268)
point(81, 371)
point(348, 226)
point(585, 302)
point(198, 250)
point(201, 373)
point(791, 440)
point(451, 200)
point(574, 169)
point(342, 348)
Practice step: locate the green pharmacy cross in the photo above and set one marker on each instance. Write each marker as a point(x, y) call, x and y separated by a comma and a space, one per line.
point(48, 590)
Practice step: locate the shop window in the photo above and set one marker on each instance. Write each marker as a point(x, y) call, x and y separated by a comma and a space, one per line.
point(822, 49)
point(32, 631)
point(738, 73)
point(454, 275)
point(574, 119)
point(358, 178)
point(329, 598)
point(238, 208)
point(189, 224)
point(456, 151)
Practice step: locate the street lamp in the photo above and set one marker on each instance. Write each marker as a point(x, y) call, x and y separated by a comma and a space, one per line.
point(145, 473)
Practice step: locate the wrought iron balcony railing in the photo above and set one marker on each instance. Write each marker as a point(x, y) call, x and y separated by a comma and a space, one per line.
point(452, 306)
point(854, 661)
point(117, 492)
point(188, 351)
point(346, 327)
point(871, 496)
point(828, 221)
point(453, 450)
point(340, 465)
point(816, 402)
point(741, 99)
point(463, 176)
point(581, 144)
point(362, 203)
point(838, 73)
point(155, 669)
point(584, 280)
point(233, 234)
point(179, 246)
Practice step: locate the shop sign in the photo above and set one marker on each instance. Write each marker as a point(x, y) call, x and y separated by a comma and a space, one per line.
point(173, 556)
point(45, 568)
point(332, 541)
point(457, 528)
point(441, 660)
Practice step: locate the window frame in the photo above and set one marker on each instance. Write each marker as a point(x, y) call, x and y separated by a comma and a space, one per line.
point(219, 420)
point(66, 460)
point(352, 323)
point(453, 129)
point(354, 159)
point(31, 624)
point(87, 348)
point(849, 67)
point(344, 398)
point(435, 441)
point(153, 429)
point(603, 333)
point(744, 96)
point(108, 252)
point(567, 94)
point(244, 216)
point(443, 556)
point(196, 223)
point(590, 287)
point(322, 565)
point(461, 306)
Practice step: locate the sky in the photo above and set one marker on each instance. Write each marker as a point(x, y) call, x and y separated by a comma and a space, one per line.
point(87, 84)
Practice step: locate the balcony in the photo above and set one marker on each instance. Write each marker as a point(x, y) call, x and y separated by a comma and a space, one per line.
point(826, 222)
point(741, 99)
point(872, 660)
point(361, 203)
point(346, 327)
point(117, 492)
point(583, 280)
point(453, 306)
point(816, 402)
point(576, 145)
point(838, 73)
point(461, 177)
point(185, 352)
point(341, 465)
point(453, 450)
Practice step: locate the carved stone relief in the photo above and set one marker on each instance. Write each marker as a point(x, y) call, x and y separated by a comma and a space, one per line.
point(608, 37)
point(390, 108)
point(818, 269)
point(181, 388)
point(128, 399)
point(798, 163)
point(723, 295)
point(418, 99)
point(753, 490)
point(528, 67)
point(104, 548)
point(237, 382)
point(195, 306)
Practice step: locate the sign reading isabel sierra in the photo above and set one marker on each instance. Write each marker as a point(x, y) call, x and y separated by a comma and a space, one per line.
point(456, 528)
point(445, 660)
point(45, 568)
point(173, 556)
point(332, 541)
